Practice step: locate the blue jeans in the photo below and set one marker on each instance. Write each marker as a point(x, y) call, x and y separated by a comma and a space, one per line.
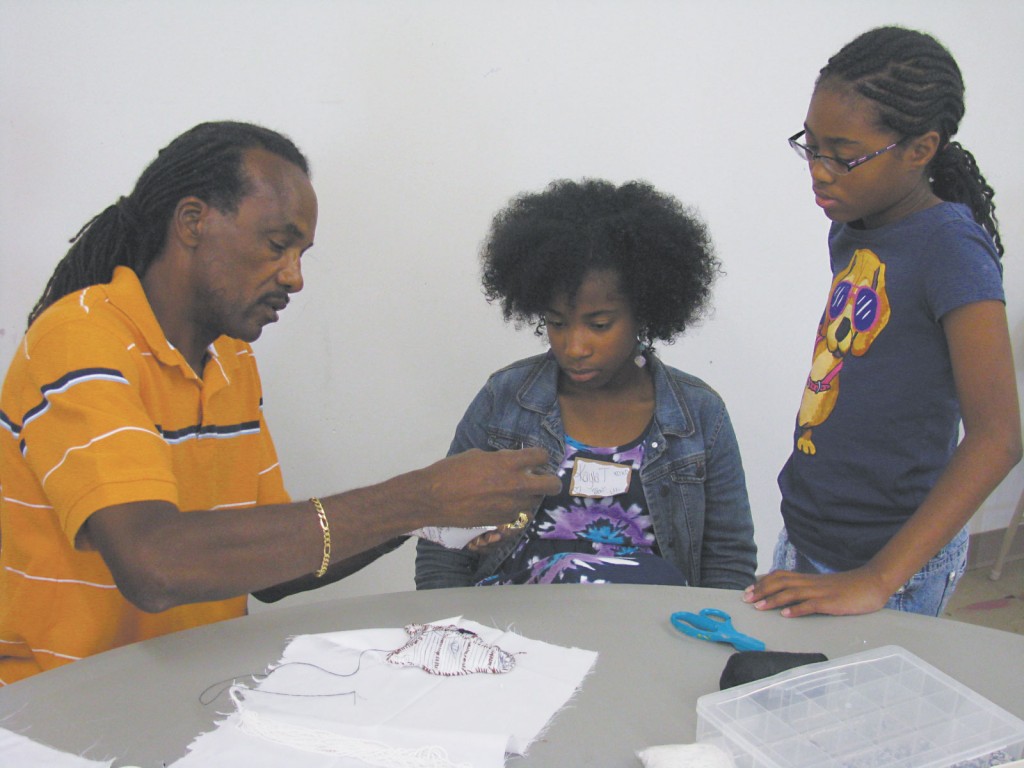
point(926, 592)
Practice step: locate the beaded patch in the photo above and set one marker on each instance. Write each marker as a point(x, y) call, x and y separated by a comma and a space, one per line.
point(450, 650)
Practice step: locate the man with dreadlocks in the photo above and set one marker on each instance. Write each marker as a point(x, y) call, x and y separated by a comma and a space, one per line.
point(141, 489)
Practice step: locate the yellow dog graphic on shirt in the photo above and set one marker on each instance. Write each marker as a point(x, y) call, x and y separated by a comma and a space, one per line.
point(857, 311)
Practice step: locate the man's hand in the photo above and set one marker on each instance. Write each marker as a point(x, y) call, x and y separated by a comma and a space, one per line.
point(800, 594)
point(489, 487)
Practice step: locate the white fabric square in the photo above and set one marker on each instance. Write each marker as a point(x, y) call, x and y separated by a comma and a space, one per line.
point(302, 715)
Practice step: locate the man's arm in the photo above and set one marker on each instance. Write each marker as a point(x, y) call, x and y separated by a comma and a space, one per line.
point(336, 572)
point(161, 558)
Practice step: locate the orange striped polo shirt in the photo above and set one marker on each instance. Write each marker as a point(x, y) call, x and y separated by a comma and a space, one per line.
point(97, 409)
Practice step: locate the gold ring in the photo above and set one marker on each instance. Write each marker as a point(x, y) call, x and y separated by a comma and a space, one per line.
point(519, 523)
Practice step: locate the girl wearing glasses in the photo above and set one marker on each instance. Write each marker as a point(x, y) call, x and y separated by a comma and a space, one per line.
point(913, 340)
point(653, 489)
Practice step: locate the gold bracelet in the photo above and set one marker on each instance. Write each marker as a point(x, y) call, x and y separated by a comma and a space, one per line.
point(327, 536)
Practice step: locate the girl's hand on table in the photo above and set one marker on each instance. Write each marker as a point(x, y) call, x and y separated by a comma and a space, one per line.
point(801, 594)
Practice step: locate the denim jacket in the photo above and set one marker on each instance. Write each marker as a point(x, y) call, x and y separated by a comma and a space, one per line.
point(692, 474)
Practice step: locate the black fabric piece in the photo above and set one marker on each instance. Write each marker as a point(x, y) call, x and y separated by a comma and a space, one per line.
point(746, 666)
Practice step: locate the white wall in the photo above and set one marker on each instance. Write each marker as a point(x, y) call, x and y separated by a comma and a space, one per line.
point(421, 119)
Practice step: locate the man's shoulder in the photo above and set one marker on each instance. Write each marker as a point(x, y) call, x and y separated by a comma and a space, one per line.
point(72, 342)
point(81, 336)
point(85, 317)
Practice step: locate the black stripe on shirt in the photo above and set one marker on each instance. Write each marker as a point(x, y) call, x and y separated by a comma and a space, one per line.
point(203, 431)
point(69, 380)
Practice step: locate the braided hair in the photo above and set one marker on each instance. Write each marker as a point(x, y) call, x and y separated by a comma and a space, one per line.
point(205, 161)
point(917, 86)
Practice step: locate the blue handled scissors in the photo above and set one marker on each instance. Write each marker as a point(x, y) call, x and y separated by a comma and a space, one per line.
point(714, 626)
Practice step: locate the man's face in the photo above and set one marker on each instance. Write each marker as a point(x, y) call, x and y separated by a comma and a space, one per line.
point(248, 262)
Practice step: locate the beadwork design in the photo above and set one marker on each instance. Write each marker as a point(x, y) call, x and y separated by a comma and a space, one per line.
point(450, 650)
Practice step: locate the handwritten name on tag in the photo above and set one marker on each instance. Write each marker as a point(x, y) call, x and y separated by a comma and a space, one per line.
point(599, 479)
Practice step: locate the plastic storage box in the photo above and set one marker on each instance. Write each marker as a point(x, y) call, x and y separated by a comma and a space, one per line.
point(877, 709)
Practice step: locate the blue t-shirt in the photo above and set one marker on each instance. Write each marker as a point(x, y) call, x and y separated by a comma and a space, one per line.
point(879, 417)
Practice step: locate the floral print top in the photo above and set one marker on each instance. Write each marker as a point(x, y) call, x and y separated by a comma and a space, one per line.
point(576, 539)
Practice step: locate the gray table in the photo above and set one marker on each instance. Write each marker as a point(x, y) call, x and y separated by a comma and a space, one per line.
point(140, 704)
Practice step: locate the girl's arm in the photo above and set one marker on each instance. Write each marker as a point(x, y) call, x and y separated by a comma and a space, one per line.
point(985, 379)
point(728, 552)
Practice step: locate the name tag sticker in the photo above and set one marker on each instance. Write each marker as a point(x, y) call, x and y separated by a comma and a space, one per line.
point(599, 479)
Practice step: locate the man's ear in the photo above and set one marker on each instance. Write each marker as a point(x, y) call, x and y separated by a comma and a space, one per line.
point(188, 220)
point(921, 149)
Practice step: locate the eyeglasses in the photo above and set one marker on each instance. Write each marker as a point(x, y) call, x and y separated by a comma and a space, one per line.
point(865, 304)
point(834, 164)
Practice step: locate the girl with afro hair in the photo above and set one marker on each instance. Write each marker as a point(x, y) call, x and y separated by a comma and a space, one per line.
point(653, 489)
